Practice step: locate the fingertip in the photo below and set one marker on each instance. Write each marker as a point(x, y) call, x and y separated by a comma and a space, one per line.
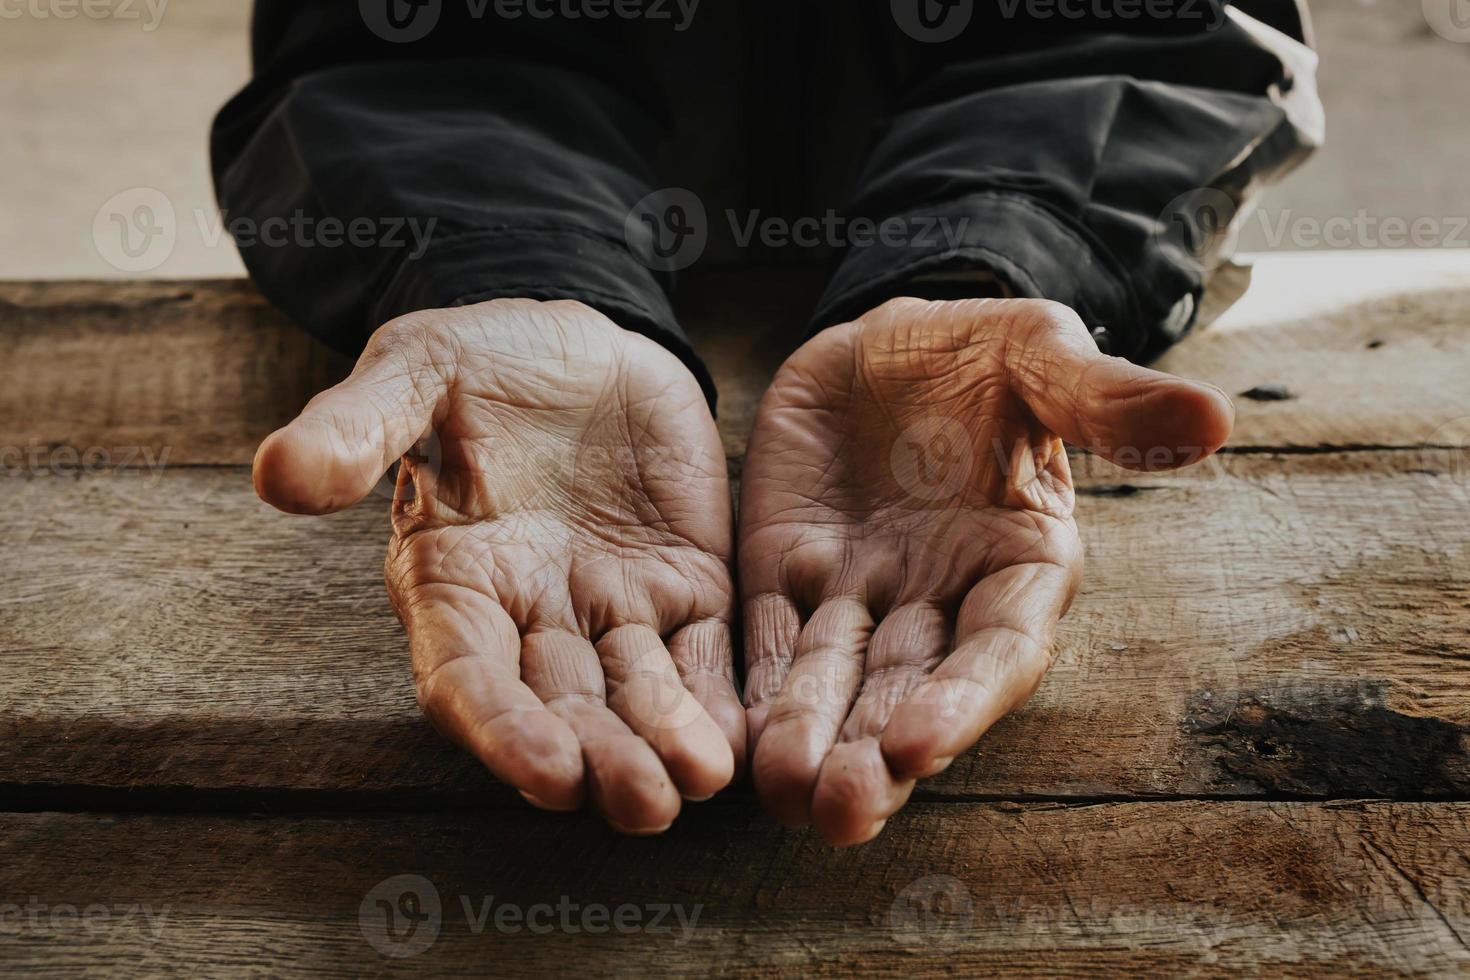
point(1160, 422)
point(631, 787)
point(784, 769)
point(541, 804)
point(299, 472)
point(1217, 415)
point(279, 480)
point(856, 793)
point(558, 783)
point(910, 746)
point(739, 749)
point(701, 766)
point(536, 753)
point(718, 698)
point(729, 717)
point(1195, 419)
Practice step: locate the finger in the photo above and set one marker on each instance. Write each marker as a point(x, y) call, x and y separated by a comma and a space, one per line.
point(772, 626)
point(1138, 418)
point(644, 690)
point(704, 656)
point(333, 453)
point(625, 779)
point(806, 716)
point(856, 793)
point(907, 645)
point(1005, 629)
point(465, 651)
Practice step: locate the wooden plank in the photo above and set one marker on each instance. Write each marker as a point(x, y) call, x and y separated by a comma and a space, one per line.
point(1287, 625)
point(1204, 888)
point(1387, 372)
point(92, 355)
point(136, 373)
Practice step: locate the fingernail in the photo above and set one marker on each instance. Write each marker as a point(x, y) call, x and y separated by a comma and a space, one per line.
point(639, 831)
point(698, 799)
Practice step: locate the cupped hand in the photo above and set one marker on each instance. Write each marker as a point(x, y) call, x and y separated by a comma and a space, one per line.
point(907, 544)
point(561, 546)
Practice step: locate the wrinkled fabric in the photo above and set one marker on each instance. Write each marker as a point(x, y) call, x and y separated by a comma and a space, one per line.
point(1065, 159)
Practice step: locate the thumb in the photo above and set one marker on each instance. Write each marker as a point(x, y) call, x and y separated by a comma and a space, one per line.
point(1137, 418)
point(333, 453)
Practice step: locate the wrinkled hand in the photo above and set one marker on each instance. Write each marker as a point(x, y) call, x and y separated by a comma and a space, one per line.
point(906, 537)
point(561, 546)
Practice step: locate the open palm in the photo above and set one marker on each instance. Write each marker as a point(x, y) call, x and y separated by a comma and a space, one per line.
point(561, 546)
point(907, 543)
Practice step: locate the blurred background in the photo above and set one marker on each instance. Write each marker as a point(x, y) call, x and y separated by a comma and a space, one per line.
point(96, 107)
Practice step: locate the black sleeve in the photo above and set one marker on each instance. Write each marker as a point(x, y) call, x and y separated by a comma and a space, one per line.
point(373, 169)
point(1102, 170)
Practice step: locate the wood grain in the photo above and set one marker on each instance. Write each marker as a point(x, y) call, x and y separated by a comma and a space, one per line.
point(1282, 625)
point(186, 372)
point(1285, 623)
point(1201, 888)
point(1389, 371)
point(200, 372)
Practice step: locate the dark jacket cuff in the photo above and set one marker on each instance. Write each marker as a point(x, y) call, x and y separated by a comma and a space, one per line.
point(471, 267)
point(1035, 252)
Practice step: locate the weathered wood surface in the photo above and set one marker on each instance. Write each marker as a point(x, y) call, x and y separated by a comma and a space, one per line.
point(1288, 625)
point(964, 889)
point(187, 372)
point(200, 372)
